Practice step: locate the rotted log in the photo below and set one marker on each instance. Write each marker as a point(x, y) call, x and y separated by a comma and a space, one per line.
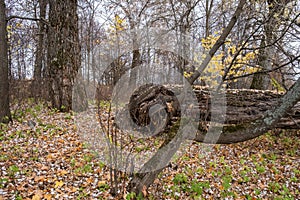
point(242, 105)
point(146, 97)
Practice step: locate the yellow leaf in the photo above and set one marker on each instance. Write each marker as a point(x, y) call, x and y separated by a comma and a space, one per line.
point(62, 173)
point(221, 187)
point(36, 197)
point(90, 180)
point(58, 184)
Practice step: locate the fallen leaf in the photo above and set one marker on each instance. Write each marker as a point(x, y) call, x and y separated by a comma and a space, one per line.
point(74, 189)
point(144, 191)
point(39, 179)
point(90, 180)
point(62, 172)
point(58, 184)
point(100, 183)
point(47, 196)
point(36, 197)
point(44, 168)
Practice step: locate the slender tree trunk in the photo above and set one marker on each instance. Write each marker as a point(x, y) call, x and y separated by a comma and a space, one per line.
point(208, 10)
point(5, 115)
point(37, 74)
point(63, 52)
point(136, 58)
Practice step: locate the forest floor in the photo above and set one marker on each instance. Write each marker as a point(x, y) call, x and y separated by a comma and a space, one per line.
point(42, 156)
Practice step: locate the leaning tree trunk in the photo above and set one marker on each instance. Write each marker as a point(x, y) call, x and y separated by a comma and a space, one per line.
point(5, 115)
point(63, 52)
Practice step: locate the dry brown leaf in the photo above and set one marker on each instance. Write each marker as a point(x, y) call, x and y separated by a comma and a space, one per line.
point(90, 180)
point(74, 189)
point(50, 157)
point(62, 172)
point(144, 191)
point(39, 178)
point(48, 196)
point(44, 168)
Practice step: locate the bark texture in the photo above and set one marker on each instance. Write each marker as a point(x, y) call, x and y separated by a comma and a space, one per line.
point(262, 81)
point(5, 115)
point(63, 52)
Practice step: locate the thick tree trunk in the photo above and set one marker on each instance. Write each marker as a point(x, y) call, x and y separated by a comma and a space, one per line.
point(261, 81)
point(63, 52)
point(5, 115)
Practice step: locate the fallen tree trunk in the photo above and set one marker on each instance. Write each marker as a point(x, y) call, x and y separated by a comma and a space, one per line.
point(243, 108)
point(246, 105)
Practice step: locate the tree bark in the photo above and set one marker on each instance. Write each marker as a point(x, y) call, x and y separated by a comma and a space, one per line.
point(5, 115)
point(245, 106)
point(63, 52)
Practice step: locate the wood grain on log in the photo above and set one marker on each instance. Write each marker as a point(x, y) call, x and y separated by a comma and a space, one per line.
point(246, 105)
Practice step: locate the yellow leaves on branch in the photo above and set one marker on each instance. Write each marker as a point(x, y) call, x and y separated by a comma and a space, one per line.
point(114, 29)
point(118, 24)
point(234, 61)
point(208, 42)
point(12, 28)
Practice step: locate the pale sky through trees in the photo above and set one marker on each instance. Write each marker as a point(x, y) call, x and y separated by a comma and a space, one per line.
point(169, 15)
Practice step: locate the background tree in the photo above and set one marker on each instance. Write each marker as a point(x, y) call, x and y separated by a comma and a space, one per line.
point(5, 115)
point(40, 51)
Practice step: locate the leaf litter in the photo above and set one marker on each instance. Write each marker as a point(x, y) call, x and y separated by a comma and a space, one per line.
point(43, 157)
